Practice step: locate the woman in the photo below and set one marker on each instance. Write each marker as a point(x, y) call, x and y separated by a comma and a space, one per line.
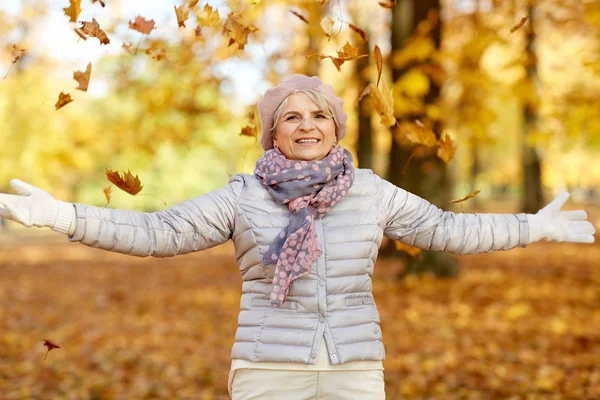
point(306, 228)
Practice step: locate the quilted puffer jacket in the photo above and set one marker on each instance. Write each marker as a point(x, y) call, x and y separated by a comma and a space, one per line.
point(335, 300)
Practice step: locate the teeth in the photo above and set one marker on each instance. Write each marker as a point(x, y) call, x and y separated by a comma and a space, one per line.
point(307, 141)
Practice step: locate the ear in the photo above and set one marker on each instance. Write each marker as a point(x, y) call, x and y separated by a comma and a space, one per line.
point(274, 140)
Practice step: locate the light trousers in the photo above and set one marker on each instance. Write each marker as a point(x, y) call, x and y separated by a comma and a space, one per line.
point(265, 384)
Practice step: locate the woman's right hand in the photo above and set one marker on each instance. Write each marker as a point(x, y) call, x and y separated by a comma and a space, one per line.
point(35, 207)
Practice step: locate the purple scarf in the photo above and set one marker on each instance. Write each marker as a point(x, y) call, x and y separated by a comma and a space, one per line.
point(311, 189)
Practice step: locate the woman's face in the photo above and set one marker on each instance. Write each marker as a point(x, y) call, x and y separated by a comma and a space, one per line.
point(303, 131)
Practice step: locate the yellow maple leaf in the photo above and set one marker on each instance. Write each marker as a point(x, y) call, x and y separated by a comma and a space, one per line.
point(128, 183)
point(327, 26)
point(446, 151)
point(208, 17)
point(467, 197)
point(73, 10)
point(410, 250)
point(63, 100)
point(417, 133)
point(237, 30)
point(383, 103)
point(108, 194)
point(182, 13)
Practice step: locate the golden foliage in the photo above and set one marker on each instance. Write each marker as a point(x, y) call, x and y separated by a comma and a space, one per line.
point(237, 30)
point(378, 58)
point(182, 13)
point(208, 17)
point(446, 149)
point(108, 194)
point(73, 10)
point(383, 103)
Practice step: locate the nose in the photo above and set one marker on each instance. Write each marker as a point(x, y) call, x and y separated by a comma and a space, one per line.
point(307, 124)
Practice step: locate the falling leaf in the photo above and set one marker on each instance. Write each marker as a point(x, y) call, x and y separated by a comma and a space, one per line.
point(102, 3)
point(142, 25)
point(520, 24)
point(347, 53)
point(83, 78)
point(127, 47)
point(378, 61)
point(467, 197)
point(250, 130)
point(446, 151)
point(128, 183)
point(327, 26)
point(16, 53)
point(50, 345)
point(410, 250)
point(108, 194)
point(183, 13)
point(362, 33)
point(63, 100)
point(387, 5)
point(198, 31)
point(208, 17)
point(383, 103)
point(73, 10)
point(417, 133)
point(157, 54)
point(92, 29)
point(366, 91)
point(297, 14)
point(237, 30)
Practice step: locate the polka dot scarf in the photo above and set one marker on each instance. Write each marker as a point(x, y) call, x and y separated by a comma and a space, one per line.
point(310, 189)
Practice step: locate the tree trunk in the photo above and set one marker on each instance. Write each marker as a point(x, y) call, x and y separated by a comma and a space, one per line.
point(426, 177)
point(364, 150)
point(533, 196)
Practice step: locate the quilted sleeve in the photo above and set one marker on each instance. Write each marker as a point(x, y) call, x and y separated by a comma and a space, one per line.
point(416, 222)
point(193, 225)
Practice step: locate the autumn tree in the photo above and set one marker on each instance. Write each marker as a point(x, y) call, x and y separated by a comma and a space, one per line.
point(417, 82)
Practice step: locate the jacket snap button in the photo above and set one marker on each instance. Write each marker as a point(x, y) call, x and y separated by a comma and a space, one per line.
point(333, 356)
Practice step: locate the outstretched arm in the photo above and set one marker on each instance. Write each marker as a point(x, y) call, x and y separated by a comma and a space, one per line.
point(194, 225)
point(416, 222)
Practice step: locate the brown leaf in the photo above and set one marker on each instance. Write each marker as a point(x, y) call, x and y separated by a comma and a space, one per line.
point(108, 194)
point(102, 3)
point(250, 130)
point(387, 5)
point(410, 250)
point(297, 14)
point(50, 345)
point(183, 13)
point(467, 197)
point(92, 29)
point(446, 151)
point(128, 183)
point(362, 33)
point(73, 10)
point(347, 53)
point(83, 78)
point(366, 91)
point(63, 100)
point(208, 17)
point(157, 54)
point(142, 25)
point(17, 53)
point(378, 61)
point(237, 30)
point(520, 24)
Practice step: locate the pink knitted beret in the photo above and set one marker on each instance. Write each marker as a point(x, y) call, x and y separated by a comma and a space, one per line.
point(274, 96)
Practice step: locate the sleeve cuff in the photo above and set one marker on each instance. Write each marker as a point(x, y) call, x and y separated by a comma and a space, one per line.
point(65, 218)
point(536, 230)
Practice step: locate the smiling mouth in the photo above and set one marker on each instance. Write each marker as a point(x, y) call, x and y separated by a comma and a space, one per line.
point(308, 141)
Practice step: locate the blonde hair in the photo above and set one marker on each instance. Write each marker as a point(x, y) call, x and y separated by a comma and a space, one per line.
point(319, 98)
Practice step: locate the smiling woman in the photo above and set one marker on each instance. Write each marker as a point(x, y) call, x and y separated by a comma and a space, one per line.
point(306, 228)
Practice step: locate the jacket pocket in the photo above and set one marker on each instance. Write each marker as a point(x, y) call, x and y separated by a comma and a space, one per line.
point(356, 301)
point(261, 302)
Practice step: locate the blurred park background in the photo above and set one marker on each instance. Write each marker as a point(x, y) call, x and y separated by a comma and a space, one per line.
point(495, 97)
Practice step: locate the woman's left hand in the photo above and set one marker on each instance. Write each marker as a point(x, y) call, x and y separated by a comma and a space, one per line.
point(562, 226)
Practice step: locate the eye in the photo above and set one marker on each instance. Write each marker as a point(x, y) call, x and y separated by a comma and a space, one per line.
point(290, 117)
point(321, 116)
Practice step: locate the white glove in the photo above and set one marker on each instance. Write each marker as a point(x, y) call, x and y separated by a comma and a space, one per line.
point(34, 207)
point(562, 226)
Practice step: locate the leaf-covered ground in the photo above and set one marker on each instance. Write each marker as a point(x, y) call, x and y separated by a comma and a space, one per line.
point(523, 324)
